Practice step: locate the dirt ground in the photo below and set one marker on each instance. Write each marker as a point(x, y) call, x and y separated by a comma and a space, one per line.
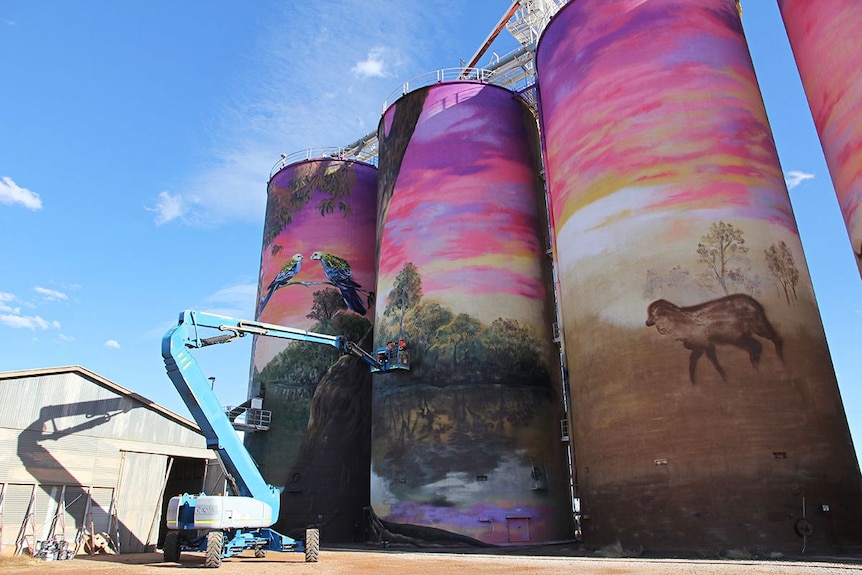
point(398, 562)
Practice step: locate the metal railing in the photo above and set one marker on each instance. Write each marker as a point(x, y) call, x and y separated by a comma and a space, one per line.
point(349, 152)
point(251, 419)
point(480, 75)
point(514, 70)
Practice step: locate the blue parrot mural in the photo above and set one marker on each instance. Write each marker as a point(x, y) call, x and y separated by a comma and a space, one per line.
point(288, 271)
point(338, 272)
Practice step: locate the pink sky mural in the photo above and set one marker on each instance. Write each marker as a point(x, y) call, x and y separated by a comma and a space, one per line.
point(621, 112)
point(464, 209)
point(827, 46)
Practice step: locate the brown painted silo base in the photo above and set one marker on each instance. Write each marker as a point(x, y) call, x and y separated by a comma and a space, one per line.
point(753, 465)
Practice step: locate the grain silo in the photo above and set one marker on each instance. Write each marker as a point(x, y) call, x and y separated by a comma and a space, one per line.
point(825, 39)
point(468, 440)
point(706, 413)
point(320, 215)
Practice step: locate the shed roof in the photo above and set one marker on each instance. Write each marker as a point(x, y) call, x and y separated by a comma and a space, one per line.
point(104, 382)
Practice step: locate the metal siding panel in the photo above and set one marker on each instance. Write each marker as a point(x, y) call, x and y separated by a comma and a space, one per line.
point(8, 456)
point(101, 508)
point(215, 481)
point(27, 457)
point(15, 503)
point(71, 459)
point(139, 499)
point(28, 400)
point(65, 403)
point(75, 503)
point(46, 507)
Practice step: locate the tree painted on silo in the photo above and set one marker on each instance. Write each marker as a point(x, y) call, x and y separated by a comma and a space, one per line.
point(468, 440)
point(706, 411)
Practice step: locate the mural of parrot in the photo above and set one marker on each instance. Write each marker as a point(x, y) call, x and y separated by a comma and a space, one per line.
point(338, 272)
point(288, 271)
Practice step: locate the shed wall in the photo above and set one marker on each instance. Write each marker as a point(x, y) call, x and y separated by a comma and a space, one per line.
point(139, 494)
point(71, 436)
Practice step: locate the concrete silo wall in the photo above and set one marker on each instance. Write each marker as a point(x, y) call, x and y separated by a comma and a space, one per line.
point(318, 447)
point(705, 408)
point(827, 46)
point(468, 440)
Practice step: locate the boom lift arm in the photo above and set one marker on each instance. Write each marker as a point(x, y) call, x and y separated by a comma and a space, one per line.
point(248, 520)
point(194, 388)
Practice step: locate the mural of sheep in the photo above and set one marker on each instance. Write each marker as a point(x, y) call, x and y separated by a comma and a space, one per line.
point(728, 320)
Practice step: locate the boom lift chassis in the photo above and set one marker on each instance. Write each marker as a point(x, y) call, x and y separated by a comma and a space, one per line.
point(224, 526)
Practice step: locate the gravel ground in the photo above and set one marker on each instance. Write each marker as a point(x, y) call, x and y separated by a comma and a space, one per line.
point(385, 562)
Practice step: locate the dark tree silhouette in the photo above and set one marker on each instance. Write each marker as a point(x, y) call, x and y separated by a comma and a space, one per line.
point(334, 178)
point(328, 483)
point(514, 348)
point(327, 302)
point(459, 333)
point(353, 327)
point(302, 364)
point(423, 323)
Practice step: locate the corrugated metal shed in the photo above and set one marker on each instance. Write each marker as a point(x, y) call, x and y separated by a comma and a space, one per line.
point(99, 456)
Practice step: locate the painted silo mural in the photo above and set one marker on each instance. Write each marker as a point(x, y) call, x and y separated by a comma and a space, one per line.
point(317, 273)
point(705, 408)
point(827, 46)
point(467, 441)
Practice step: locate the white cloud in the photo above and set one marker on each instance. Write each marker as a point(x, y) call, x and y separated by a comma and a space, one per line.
point(169, 207)
point(25, 322)
point(12, 193)
point(50, 294)
point(112, 343)
point(233, 301)
point(64, 337)
point(795, 177)
point(373, 66)
point(11, 316)
point(6, 299)
point(270, 115)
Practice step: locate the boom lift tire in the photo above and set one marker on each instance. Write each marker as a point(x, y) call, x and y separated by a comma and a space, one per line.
point(259, 553)
point(215, 539)
point(171, 547)
point(312, 545)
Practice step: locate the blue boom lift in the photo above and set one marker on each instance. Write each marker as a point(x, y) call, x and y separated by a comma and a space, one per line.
point(224, 526)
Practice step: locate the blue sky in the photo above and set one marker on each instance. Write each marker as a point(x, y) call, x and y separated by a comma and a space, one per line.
point(136, 140)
